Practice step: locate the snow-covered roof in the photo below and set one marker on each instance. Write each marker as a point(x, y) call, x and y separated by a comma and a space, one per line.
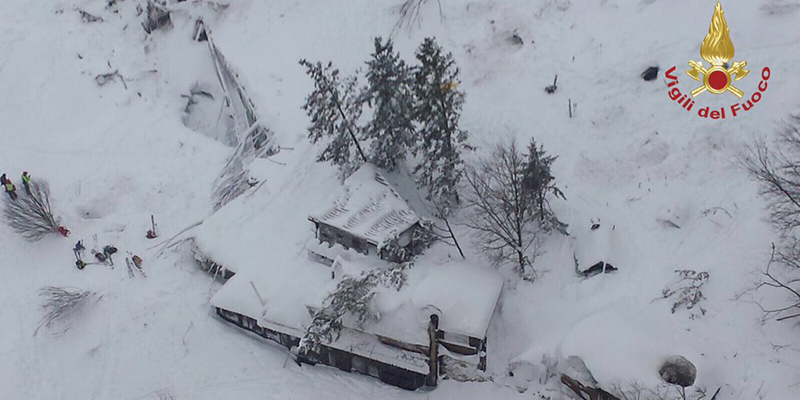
point(367, 206)
point(462, 295)
point(369, 346)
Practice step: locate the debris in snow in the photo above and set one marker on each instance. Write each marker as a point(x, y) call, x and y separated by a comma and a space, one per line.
point(88, 18)
point(668, 223)
point(650, 74)
point(677, 370)
point(515, 39)
point(151, 233)
point(599, 268)
point(157, 17)
point(575, 366)
point(61, 306)
point(409, 12)
point(461, 371)
point(552, 88)
point(102, 79)
point(580, 389)
point(687, 290)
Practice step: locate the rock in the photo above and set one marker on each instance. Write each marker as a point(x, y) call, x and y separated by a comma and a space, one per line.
point(575, 367)
point(650, 74)
point(677, 370)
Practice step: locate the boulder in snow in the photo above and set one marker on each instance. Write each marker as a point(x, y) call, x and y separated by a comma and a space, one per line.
point(677, 370)
point(650, 74)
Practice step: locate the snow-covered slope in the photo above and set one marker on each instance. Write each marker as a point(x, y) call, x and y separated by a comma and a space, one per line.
point(630, 158)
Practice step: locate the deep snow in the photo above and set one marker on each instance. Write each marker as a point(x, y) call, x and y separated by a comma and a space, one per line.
point(630, 157)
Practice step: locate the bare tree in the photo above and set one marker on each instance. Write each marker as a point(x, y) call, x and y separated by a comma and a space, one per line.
point(61, 306)
point(409, 13)
point(790, 287)
point(500, 210)
point(30, 215)
point(778, 173)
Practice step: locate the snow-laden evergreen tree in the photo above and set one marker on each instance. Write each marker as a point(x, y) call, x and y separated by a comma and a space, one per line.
point(334, 107)
point(389, 94)
point(353, 297)
point(538, 182)
point(441, 140)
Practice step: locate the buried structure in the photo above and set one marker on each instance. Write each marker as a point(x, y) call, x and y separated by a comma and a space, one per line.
point(424, 321)
point(436, 321)
point(367, 214)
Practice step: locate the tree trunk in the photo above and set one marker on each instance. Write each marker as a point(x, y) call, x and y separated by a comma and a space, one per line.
point(349, 129)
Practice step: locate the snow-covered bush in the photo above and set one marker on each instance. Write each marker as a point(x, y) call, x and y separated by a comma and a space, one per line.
point(61, 306)
point(30, 214)
point(687, 291)
point(422, 238)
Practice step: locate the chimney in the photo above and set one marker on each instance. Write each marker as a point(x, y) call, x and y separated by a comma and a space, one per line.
point(433, 327)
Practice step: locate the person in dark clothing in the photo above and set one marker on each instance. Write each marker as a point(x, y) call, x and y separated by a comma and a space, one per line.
point(11, 189)
point(3, 180)
point(79, 248)
point(108, 250)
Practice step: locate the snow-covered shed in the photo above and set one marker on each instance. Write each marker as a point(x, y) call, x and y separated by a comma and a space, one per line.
point(594, 248)
point(365, 214)
point(443, 310)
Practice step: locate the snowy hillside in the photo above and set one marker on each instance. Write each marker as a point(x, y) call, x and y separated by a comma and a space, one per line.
point(662, 184)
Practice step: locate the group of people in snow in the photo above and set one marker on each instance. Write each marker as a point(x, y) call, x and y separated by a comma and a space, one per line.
point(104, 257)
point(11, 189)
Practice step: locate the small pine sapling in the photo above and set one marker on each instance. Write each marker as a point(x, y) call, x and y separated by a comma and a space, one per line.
point(538, 182)
point(687, 291)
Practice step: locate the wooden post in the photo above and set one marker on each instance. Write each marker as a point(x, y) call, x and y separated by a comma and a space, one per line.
point(153, 223)
point(433, 327)
point(260, 299)
point(570, 108)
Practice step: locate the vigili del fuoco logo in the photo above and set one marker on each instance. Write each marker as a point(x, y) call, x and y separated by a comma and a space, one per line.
point(717, 49)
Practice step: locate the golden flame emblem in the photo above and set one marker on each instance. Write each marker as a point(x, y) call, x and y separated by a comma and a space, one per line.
point(717, 49)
